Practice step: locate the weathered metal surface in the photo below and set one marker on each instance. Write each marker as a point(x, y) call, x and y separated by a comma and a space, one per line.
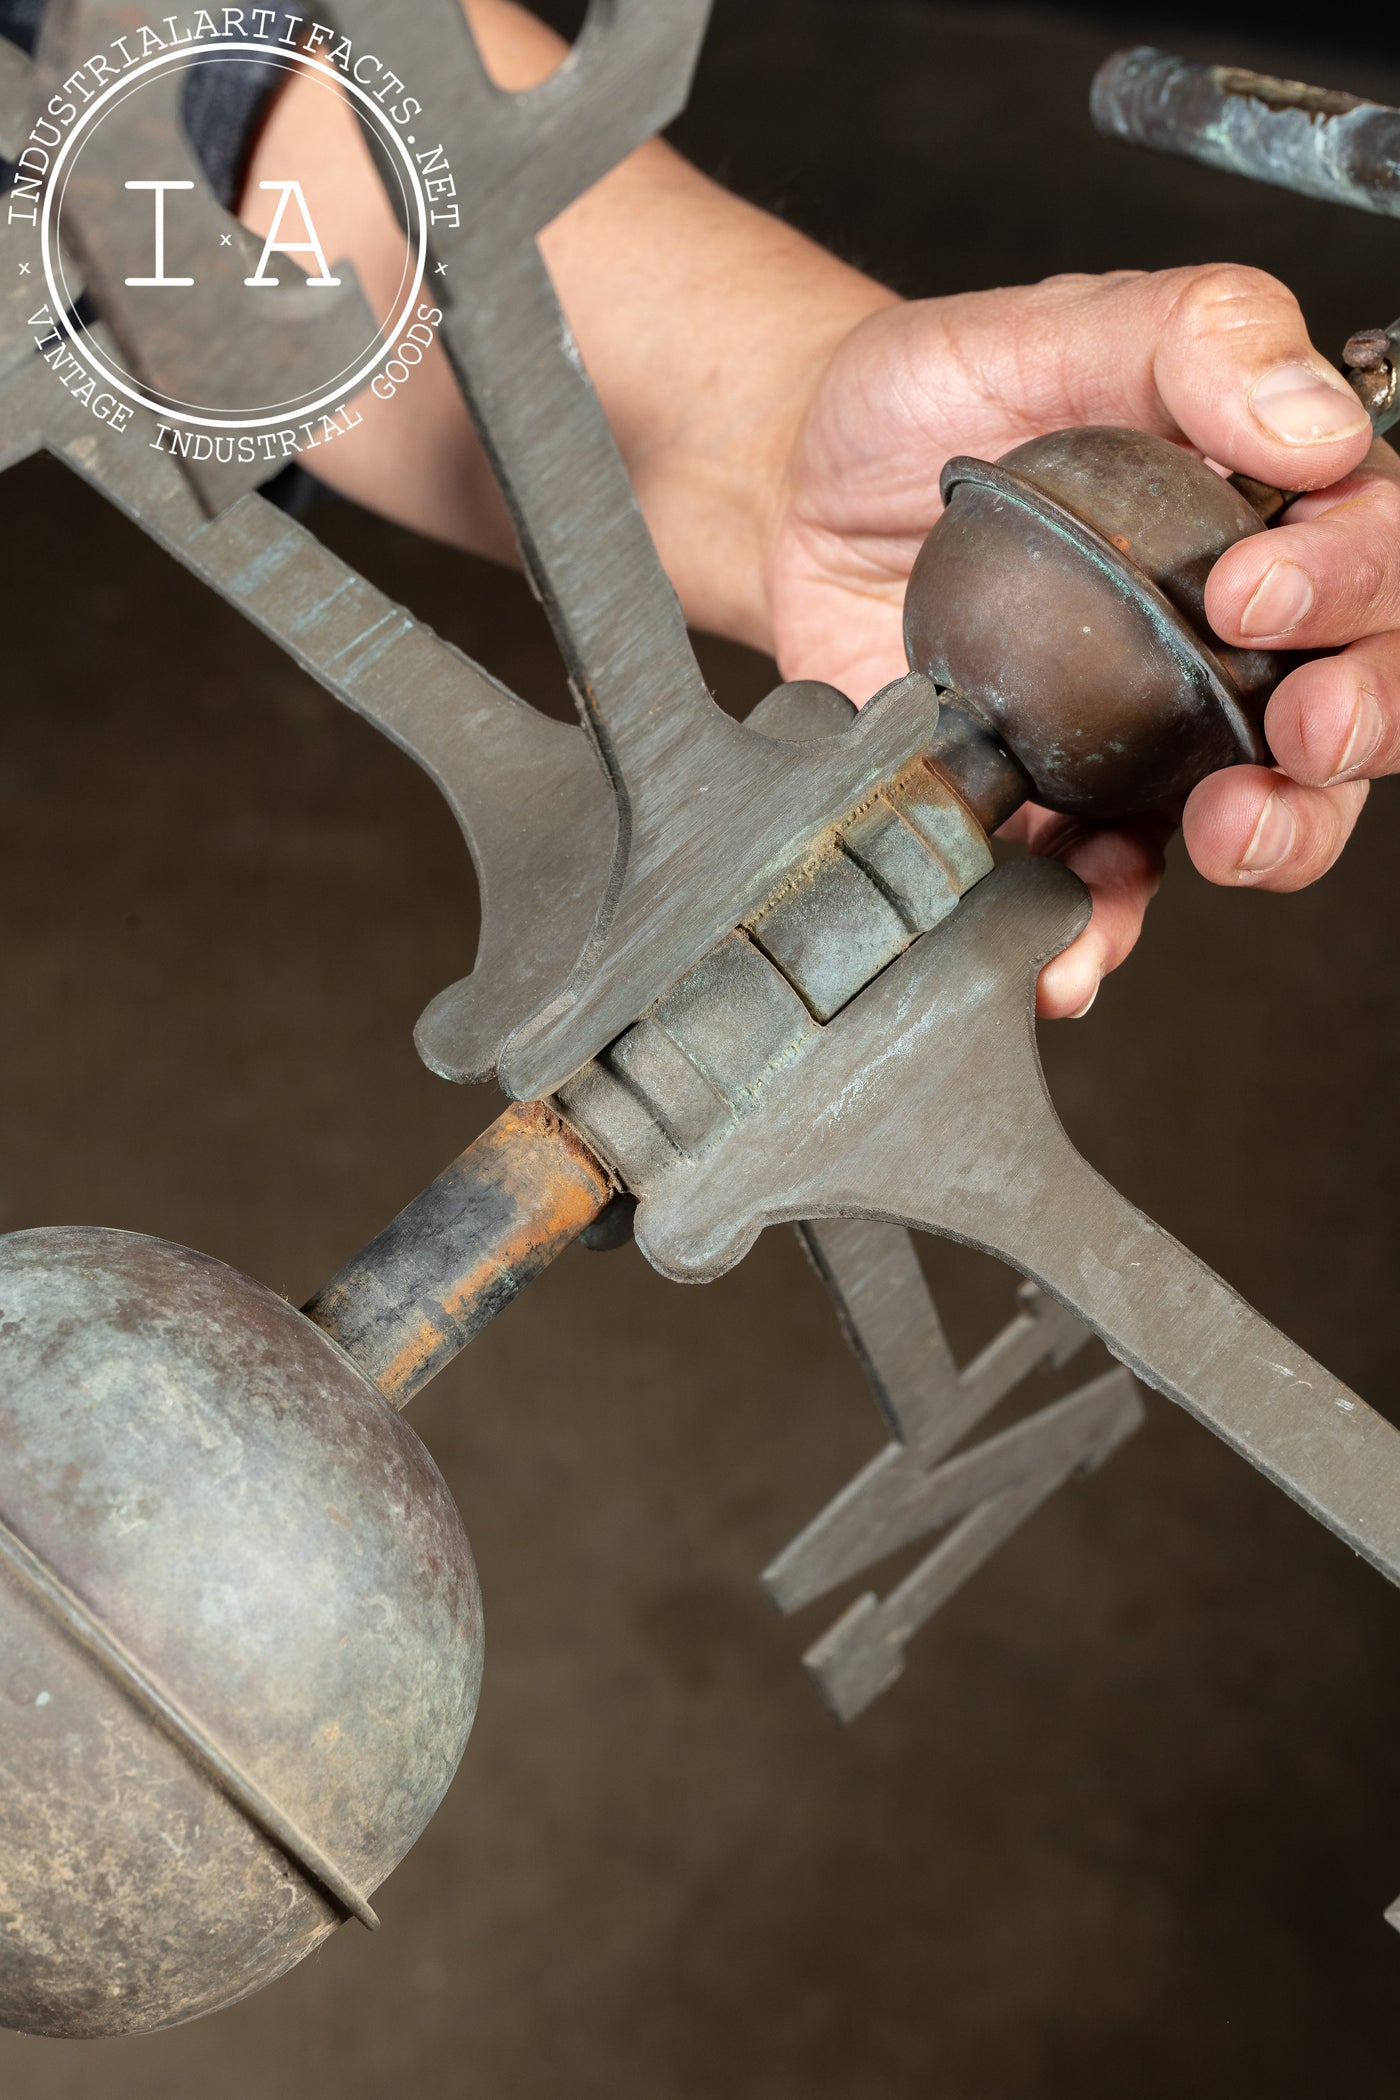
point(240, 1630)
point(983, 1496)
point(532, 800)
point(715, 817)
point(1317, 141)
point(1062, 594)
point(894, 870)
point(912, 1488)
point(1373, 356)
point(1267, 502)
point(530, 794)
point(932, 1034)
point(887, 1314)
point(923, 1102)
point(715, 940)
point(863, 1653)
point(456, 1256)
point(126, 1670)
point(1366, 349)
point(265, 344)
point(690, 1073)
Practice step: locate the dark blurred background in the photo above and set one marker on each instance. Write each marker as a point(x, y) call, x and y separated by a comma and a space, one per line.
point(1129, 1823)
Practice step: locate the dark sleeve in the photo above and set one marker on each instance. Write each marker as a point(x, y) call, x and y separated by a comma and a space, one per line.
point(222, 105)
point(19, 21)
point(222, 108)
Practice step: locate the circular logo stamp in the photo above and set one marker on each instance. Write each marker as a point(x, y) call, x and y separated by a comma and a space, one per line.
point(150, 295)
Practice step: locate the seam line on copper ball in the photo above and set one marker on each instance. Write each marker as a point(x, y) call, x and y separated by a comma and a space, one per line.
point(111, 1654)
point(1026, 493)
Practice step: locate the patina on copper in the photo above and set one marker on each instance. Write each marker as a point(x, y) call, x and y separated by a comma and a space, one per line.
point(240, 1628)
point(1320, 142)
point(240, 1635)
point(1062, 597)
point(454, 1257)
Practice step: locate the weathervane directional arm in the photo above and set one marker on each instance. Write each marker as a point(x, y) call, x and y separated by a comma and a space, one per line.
point(713, 816)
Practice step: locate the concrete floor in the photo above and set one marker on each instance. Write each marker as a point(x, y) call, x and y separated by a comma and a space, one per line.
point(1128, 1824)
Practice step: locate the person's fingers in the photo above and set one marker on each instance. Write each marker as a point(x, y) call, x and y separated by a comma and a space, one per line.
point(1219, 355)
point(1329, 573)
point(1252, 828)
point(1121, 866)
point(1216, 357)
point(1236, 368)
point(1338, 717)
point(1381, 462)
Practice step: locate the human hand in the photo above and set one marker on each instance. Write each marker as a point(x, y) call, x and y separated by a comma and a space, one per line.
point(1217, 358)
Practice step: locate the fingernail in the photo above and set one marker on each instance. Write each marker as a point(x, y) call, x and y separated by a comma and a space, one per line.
point(1080, 1011)
point(1282, 597)
point(1273, 837)
point(1367, 729)
point(1298, 405)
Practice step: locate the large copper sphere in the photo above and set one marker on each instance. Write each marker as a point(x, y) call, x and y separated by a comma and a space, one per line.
point(240, 1635)
point(1062, 596)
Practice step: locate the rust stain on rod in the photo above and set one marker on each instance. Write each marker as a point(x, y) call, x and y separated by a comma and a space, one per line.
point(418, 1293)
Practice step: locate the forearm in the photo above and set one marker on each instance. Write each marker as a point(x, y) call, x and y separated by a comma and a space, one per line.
point(704, 324)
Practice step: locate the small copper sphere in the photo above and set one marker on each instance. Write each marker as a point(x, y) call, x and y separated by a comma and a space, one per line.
point(1062, 596)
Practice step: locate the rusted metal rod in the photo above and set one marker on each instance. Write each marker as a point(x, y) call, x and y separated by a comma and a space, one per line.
point(1317, 141)
point(418, 1293)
